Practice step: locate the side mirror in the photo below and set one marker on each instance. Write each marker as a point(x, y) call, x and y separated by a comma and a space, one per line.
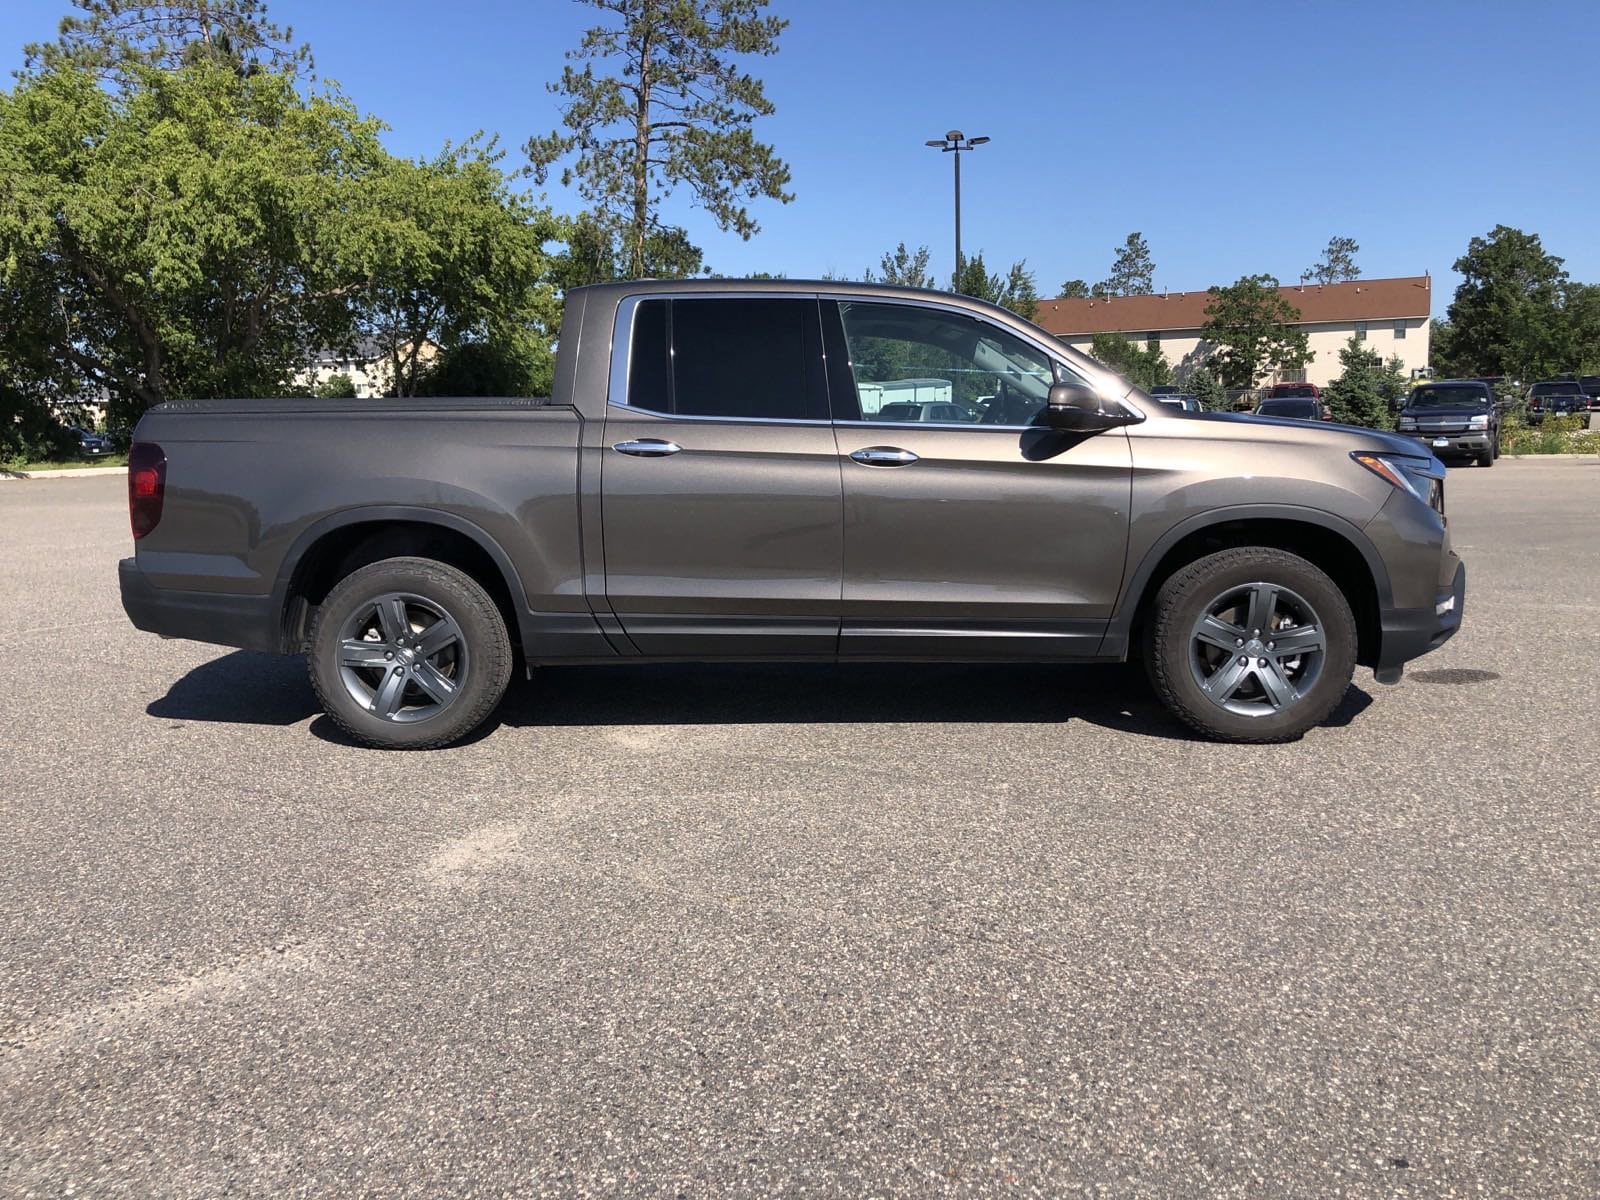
point(1073, 408)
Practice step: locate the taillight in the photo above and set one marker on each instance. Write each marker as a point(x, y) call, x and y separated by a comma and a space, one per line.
point(147, 486)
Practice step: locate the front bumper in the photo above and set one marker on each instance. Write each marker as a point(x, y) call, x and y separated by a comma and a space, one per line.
point(224, 618)
point(1409, 633)
point(1475, 442)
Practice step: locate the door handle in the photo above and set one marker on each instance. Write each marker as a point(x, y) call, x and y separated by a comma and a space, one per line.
point(884, 456)
point(647, 448)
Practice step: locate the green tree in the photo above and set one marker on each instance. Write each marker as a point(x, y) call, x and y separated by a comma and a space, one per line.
point(1133, 272)
point(107, 36)
point(1140, 364)
point(337, 387)
point(1441, 348)
point(487, 368)
point(592, 254)
point(185, 230)
point(1207, 388)
point(1074, 289)
point(1508, 315)
point(1364, 388)
point(1014, 290)
point(447, 253)
point(677, 109)
point(903, 267)
point(1337, 264)
point(1254, 331)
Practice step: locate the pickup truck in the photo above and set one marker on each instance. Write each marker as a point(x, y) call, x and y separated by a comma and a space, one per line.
point(1454, 418)
point(703, 484)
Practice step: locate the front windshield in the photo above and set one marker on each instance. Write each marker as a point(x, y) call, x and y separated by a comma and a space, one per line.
point(1448, 397)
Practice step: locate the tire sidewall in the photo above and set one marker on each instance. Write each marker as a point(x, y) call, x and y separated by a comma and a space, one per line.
point(453, 591)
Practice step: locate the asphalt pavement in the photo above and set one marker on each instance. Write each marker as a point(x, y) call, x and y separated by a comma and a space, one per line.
point(725, 931)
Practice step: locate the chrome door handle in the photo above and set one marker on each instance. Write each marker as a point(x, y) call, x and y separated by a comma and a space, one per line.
point(647, 448)
point(884, 456)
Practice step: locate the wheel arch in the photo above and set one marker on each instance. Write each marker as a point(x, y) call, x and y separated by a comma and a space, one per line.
point(1333, 544)
point(341, 542)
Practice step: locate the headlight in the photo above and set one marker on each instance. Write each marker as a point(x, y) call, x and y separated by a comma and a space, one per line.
point(1408, 423)
point(1422, 477)
point(1479, 422)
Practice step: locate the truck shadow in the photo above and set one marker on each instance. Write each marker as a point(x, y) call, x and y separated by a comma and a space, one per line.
point(264, 689)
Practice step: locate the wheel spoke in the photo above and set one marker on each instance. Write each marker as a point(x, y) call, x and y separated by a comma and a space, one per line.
point(435, 685)
point(1214, 631)
point(1227, 679)
point(1302, 639)
point(392, 617)
point(387, 702)
point(1276, 685)
point(442, 633)
point(356, 652)
point(1263, 600)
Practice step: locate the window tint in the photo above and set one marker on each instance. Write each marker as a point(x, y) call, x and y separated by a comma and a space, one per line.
point(648, 361)
point(908, 363)
point(731, 358)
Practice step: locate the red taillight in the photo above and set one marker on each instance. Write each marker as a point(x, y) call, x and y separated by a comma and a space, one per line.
point(147, 486)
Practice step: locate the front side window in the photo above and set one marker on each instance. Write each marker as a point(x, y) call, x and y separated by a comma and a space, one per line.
point(734, 358)
point(910, 363)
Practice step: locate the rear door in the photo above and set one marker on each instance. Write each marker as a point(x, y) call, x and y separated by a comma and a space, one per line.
point(983, 536)
point(721, 500)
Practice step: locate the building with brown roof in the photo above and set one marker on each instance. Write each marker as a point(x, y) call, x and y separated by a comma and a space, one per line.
point(1390, 315)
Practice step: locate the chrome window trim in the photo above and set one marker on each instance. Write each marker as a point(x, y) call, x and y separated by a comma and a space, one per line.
point(622, 352)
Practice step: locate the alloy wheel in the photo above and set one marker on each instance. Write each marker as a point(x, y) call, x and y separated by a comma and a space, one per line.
point(1257, 649)
point(402, 657)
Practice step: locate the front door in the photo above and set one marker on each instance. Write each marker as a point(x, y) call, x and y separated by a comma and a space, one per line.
point(720, 492)
point(969, 529)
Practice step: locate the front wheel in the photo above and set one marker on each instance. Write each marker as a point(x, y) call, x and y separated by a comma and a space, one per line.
point(409, 654)
point(1251, 645)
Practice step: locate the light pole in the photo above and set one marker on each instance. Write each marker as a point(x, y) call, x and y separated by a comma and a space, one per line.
point(955, 142)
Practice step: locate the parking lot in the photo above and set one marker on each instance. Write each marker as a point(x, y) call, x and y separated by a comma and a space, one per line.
point(813, 930)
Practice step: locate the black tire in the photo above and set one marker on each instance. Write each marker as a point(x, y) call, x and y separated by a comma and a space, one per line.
point(1176, 655)
point(1486, 458)
point(470, 671)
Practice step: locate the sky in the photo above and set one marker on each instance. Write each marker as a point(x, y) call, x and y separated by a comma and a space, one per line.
point(1237, 137)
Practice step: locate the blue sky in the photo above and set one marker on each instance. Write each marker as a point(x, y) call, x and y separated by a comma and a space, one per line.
point(1237, 137)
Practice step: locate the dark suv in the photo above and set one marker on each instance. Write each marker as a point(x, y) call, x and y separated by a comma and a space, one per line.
point(1455, 418)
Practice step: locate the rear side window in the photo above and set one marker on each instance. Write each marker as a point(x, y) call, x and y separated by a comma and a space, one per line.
point(732, 358)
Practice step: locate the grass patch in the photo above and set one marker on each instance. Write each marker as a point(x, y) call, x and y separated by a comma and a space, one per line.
point(63, 464)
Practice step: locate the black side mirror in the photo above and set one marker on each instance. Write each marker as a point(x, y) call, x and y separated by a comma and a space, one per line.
point(1073, 408)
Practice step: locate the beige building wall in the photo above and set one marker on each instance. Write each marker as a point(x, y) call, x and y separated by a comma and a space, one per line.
point(1185, 350)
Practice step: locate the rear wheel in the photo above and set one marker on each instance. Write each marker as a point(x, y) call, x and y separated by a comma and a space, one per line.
point(409, 654)
point(1251, 645)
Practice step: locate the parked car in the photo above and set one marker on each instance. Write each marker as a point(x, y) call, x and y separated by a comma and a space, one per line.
point(703, 485)
point(1591, 388)
point(946, 411)
point(1562, 397)
point(1181, 401)
point(1455, 418)
point(1293, 391)
point(1301, 409)
point(91, 444)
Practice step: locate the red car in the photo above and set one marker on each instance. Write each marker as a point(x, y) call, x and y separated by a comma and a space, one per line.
point(1293, 391)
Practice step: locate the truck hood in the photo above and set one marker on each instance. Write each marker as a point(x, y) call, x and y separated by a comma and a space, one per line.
point(1329, 433)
